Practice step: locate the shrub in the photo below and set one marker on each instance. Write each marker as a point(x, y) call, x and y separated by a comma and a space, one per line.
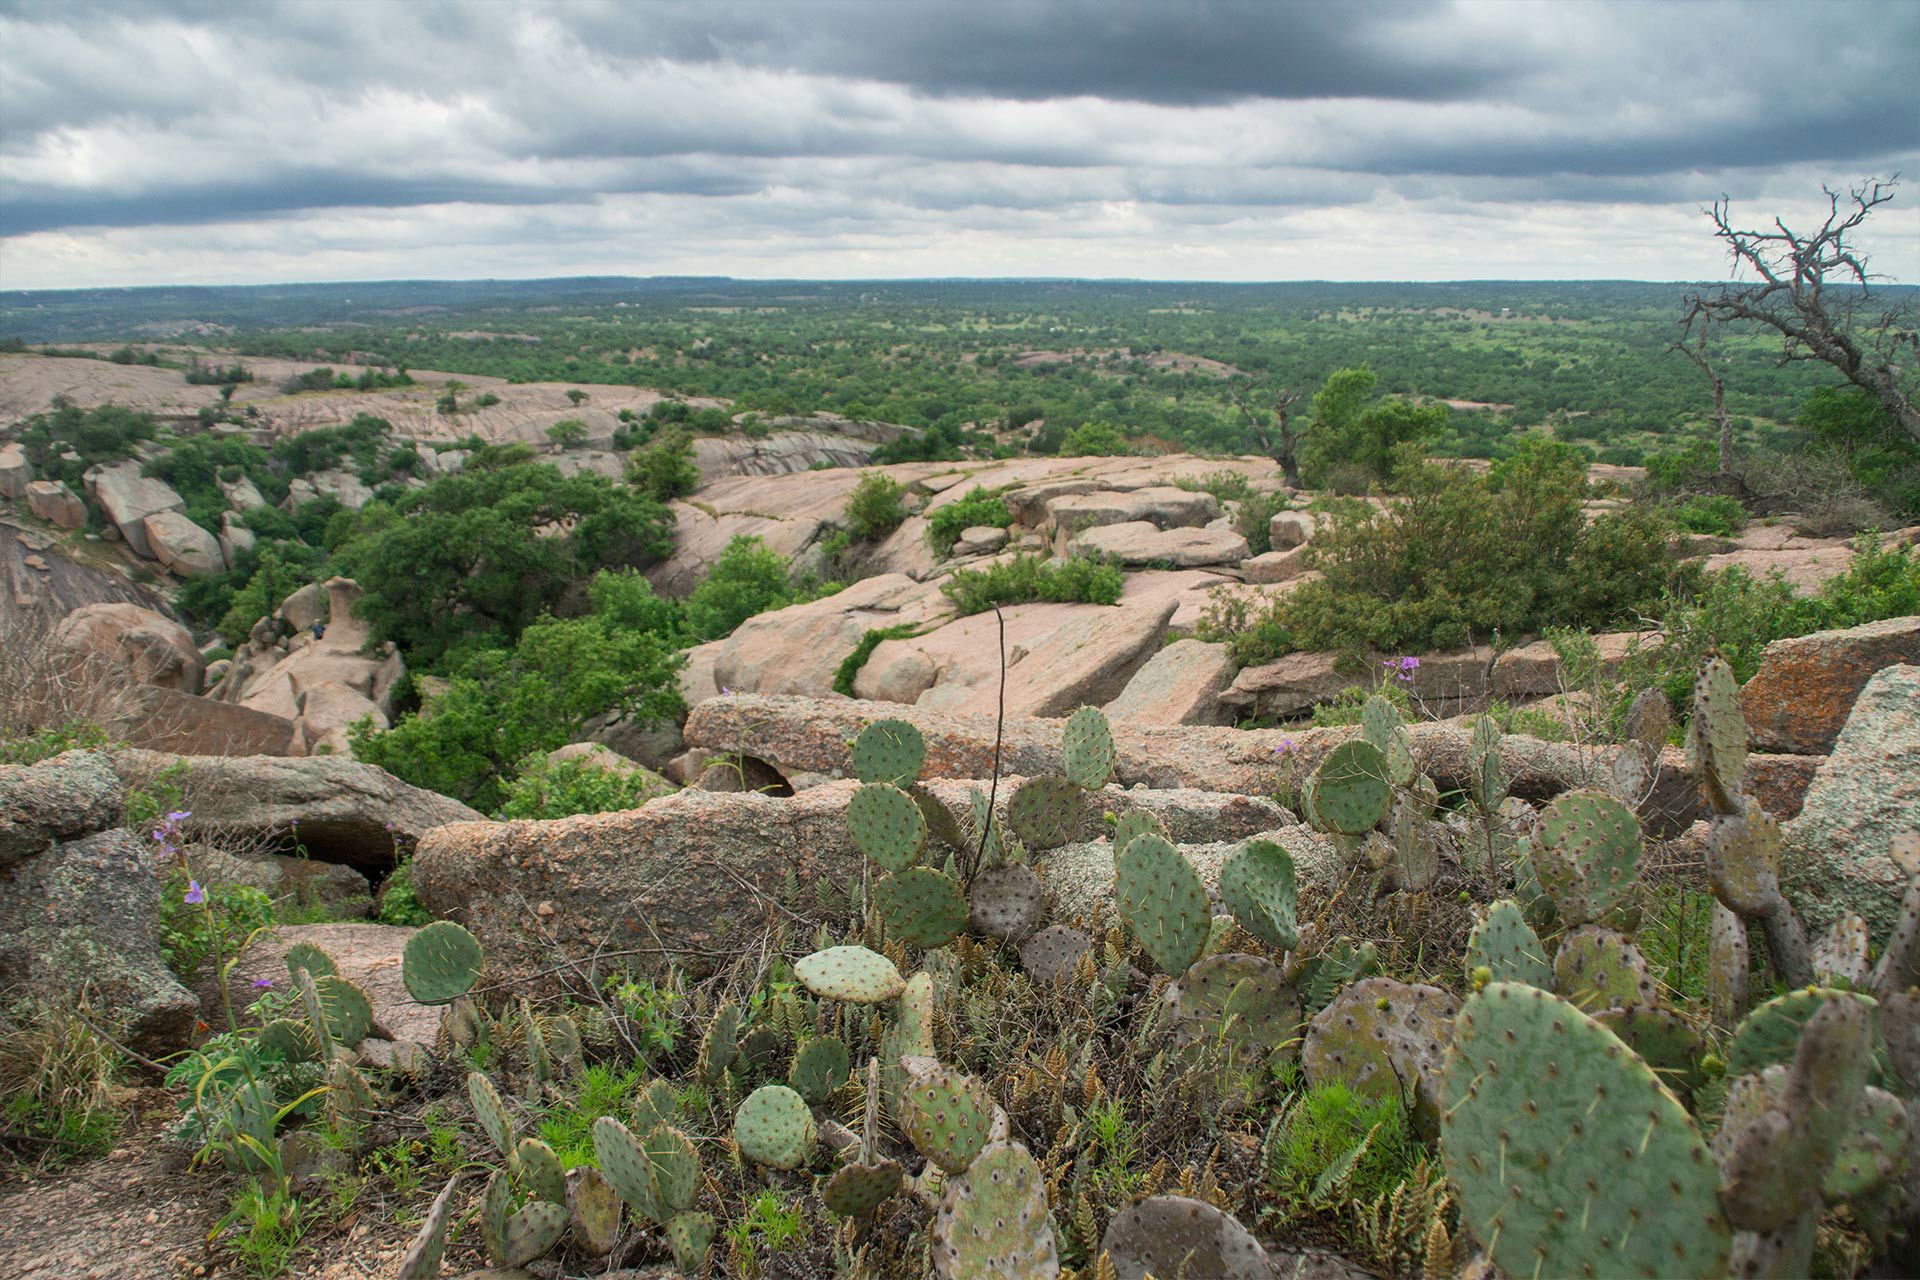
point(399, 904)
point(1094, 439)
point(1715, 514)
point(568, 433)
point(561, 788)
point(979, 507)
point(1461, 558)
point(873, 509)
point(1357, 440)
point(748, 578)
point(1026, 578)
point(664, 466)
point(849, 668)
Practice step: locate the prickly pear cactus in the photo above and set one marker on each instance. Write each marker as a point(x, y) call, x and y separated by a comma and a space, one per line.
point(1665, 1041)
point(1597, 969)
point(1175, 1236)
point(721, 1043)
point(289, 1041)
point(1571, 1157)
point(1840, 957)
point(1239, 1005)
point(921, 906)
point(593, 1210)
point(1054, 952)
point(1350, 792)
point(422, 1260)
point(947, 1117)
point(1257, 886)
point(314, 959)
point(992, 1223)
point(1163, 902)
point(1649, 718)
point(627, 1167)
point(1717, 736)
point(515, 1239)
point(856, 1190)
point(910, 1035)
point(539, 1171)
point(1587, 856)
point(1006, 902)
point(889, 751)
point(1325, 975)
point(774, 1127)
point(1045, 812)
point(491, 1113)
point(1727, 966)
point(1380, 1038)
point(690, 1236)
point(1506, 947)
point(1486, 772)
point(819, 1069)
point(441, 963)
point(1770, 1035)
point(1137, 822)
point(850, 973)
point(887, 825)
point(1087, 745)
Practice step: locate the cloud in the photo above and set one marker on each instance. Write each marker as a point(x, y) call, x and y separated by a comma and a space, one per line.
point(905, 138)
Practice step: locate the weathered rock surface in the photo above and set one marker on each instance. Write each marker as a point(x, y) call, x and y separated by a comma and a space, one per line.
point(368, 956)
point(1275, 566)
point(85, 916)
point(326, 684)
point(1866, 793)
point(799, 649)
point(947, 663)
point(1086, 662)
point(698, 872)
point(16, 473)
point(128, 498)
point(1181, 684)
point(148, 647)
point(1445, 684)
point(980, 540)
point(338, 810)
point(1142, 542)
point(182, 547)
point(71, 795)
point(1799, 699)
point(289, 881)
point(1164, 506)
point(1533, 670)
point(167, 720)
point(53, 502)
point(1289, 529)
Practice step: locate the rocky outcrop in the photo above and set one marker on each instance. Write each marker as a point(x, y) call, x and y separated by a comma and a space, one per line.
point(1085, 662)
point(944, 666)
point(368, 955)
point(148, 647)
point(1142, 542)
point(1534, 670)
point(696, 873)
point(1289, 529)
point(159, 719)
point(1445, 684)
point(980, 540)
point(182, 547)
point(1275, 566)
point(293, 883)
point(799, 649)
point(235, 539)
point(16, 473)
point(337, 810)
point(600, 757)
point(71, 795)
point(323, 684)
point(58, 505)
point(128, 498)
point(1181, 684)
point(1801, 696)
point(1867, 793)
point(1163, 506)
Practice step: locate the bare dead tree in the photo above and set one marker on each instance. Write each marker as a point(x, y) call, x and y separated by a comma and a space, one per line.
point(1282, 442)
point(1696, 351)
point(1814, 289)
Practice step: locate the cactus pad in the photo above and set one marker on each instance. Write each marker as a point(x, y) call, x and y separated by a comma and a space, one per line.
point(1587, 855)
point(315, 960)
point(1596, 968)
point(441, 963)
point(1841, 954)
point(1175, 1236)
point(1664, 1040)
point(1238, 1000)
point(1649, 719)
point(491, 1113)
point(1054, 952)
point(1486, 771)
point(856, 1190)
point(422, 1260)
point(539, 1171)
point(344, 1009)
point(1322, 977)
point(774, 1127)
point(1136, 822)
point(889, 751)
point(516, 1239)
point(1571, 1157)
point(1257, 886)
point(1770, 1034)
point(1743, 861)
point(993, 1224)
point(690, 1236)
point(1717, 734)
point(676, 1168)
point(593, 1210)
point(941, 824)
point(289, 1041)
point(1086, 743)
point(921, 906)
point(819, 1069)
point(627, 1167)
point(1006, 902)
point(887, 825)
point(947, 1117)
point(1506, 946)
point(1045, 812)
point(1162, 901)
point(850, 973)
point(1383, 1038)
point(1350, 792)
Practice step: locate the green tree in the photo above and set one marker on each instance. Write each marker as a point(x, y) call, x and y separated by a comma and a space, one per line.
point(873, 508)
point(664, 466)
point(1854, 427)
point(472, 559)
point(505, 705)
point(1094, 439)
point(273, 580)
point(568, 433)
point(1356, 438)
point(576, 396)
point(748, 578)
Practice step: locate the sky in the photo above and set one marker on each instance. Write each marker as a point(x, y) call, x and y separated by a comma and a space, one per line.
point(213, 142)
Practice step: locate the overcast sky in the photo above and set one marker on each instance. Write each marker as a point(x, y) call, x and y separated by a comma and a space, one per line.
point(212, 141)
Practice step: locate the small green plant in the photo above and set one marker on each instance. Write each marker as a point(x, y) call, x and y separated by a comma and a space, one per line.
point(59, 1081)
point(568, 433)
point(399, 904)
point(263, 1228)
point(771, 1223)
point(1715, 514)
point(1026, 578)
point(562, 788)
point(1331, 1136)
point(981, 507)
point(873, 508)
point(601, 1090)
point(46, 743)
point(849, 668)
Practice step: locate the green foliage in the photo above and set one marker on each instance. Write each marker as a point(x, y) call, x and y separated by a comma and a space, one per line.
point(873, 508)
point(263, 1227)
point(980, 507)
point(44, 744)
point(472, 559)
point(359, 442)
point(559, 789)
point(271, 580)
point(191, 934)
point(1358, 440)
point(1094, 439)
point(195, 465)
point(849, 668)
point(1324, 1126)
point(601, 1090)
point(568, 433)
point(664, 467)
point(399, 904)
point(1850, 424)
point(1253, 520)
point(1464, 556)
point(59, 1081)
point(749, 578)
point(105, 433)
point(1715, 514)
point(1034, 577)
point(503, 705)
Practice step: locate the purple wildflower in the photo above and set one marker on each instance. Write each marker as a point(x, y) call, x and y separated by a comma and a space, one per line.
point(195, 894)
point(1287, 747)
point(261, 984)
